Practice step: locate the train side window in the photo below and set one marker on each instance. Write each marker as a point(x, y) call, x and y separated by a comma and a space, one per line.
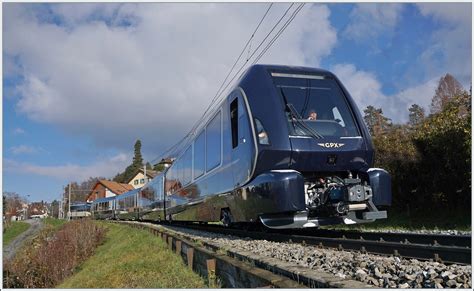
point(234, 122)
point(187, 164)
point(199, 155)
point(213, 142)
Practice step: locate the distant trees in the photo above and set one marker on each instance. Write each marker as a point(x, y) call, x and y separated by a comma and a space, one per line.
point(448, 87)
point(376, 121)
point(12, 202)
point(444, 143)
point(79, 191)
point(416, 115)
point(429, 158)
point(55, 208)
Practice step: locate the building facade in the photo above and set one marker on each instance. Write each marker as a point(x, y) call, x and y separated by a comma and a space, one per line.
point(139, 179)
point(106, 188)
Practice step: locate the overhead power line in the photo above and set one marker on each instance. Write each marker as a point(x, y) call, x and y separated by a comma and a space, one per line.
point(169, 150)
point(282, 29)
point(258, 47)
point(181, 143)
point(242, 52)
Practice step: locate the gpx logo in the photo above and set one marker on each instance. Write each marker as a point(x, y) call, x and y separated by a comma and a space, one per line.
point(331, 145)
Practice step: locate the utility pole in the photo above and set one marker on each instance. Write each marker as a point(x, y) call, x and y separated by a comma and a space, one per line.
point(144, 171)
point(69, 212)
point(27, 206)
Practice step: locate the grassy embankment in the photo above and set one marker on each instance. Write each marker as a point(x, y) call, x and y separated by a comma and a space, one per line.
point(133, 258)
point(54, 222)
point(15, 229)
point(427, 221)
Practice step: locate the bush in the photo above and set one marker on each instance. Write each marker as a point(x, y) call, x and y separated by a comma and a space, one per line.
point(53, 256)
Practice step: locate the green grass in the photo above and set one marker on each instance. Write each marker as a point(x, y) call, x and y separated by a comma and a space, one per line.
point(435, 220)
point(14, 230)
point(54, 222)
point(133, 258)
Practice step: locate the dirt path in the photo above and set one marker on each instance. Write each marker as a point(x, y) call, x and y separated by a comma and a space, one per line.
point(10, 250)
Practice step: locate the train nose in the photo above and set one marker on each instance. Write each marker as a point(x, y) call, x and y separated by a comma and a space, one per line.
point(331, 159)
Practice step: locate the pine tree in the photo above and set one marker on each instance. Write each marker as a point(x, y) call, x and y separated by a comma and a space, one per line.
point(376, 122)
point(138, 159)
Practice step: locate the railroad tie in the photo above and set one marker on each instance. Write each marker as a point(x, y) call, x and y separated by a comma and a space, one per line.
point(178, 247)
point(190, 257)
point(211, 272)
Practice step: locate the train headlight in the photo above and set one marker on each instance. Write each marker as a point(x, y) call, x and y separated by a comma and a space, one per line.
point(261, 133)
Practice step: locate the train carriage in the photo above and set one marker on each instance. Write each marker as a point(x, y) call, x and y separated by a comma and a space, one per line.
point(103, 208)
point(287, 147)
point(151, 200)
point(126, 207)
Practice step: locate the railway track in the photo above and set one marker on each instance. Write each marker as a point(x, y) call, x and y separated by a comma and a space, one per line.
point(440, 248)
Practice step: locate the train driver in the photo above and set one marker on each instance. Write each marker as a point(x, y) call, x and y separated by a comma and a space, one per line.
point(312, 115)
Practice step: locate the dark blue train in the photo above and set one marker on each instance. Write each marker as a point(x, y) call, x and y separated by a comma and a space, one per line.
point(287, 147)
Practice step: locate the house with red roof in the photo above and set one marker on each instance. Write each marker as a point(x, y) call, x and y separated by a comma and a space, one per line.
point(106, 188)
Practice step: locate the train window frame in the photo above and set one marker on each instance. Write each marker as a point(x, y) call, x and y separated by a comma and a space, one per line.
point(203, 134)
point(234, 121)
point(338, 87)
point(213, 167)
point(183, 165)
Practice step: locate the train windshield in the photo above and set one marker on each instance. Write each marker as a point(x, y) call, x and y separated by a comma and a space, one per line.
point(316, 106)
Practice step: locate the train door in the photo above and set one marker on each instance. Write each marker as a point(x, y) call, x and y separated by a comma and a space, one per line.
point(242, 143)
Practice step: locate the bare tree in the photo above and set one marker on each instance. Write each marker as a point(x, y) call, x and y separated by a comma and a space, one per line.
point(12, 203)
point(448, 87)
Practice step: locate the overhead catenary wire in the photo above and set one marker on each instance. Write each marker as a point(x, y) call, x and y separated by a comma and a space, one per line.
point(219, 92)
point(282, 29)
point(213, 103)
point(243, 50)
point(253, 53)
point(258, 47)
point(169, 150)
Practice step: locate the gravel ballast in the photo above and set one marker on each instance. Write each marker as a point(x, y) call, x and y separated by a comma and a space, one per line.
point(378, 271)
point(419, 231)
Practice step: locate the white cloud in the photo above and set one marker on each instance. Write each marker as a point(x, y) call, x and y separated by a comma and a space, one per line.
point(451, 12)
point(368, 20)
point(148, 79)
point(363, 86)
point(450, 50)
point(72, 172)
point(366, 90)
point(398, 104)
point(308, 39)
point(24, 149)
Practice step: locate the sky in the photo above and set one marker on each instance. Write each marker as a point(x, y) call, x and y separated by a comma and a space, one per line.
point(83, 81)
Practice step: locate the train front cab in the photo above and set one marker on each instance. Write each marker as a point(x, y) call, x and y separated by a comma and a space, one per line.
point(308, 172)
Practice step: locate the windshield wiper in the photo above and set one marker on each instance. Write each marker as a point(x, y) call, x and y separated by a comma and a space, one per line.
point(296, 118)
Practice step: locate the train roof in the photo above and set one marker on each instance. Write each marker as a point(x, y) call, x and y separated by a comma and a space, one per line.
point(282, 68)
point(128, 194)
point(253, 73)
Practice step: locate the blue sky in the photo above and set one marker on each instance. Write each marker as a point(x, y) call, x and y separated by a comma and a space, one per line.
point(82, 82)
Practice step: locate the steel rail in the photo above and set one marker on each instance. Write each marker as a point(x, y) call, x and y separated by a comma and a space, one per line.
point(414, 238)
point(449, 254)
